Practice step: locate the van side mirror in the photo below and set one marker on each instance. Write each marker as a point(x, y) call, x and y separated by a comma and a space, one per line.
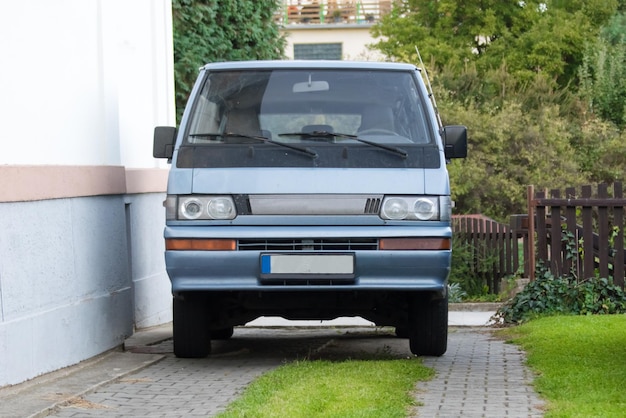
point(455, 141)
point(164, 139)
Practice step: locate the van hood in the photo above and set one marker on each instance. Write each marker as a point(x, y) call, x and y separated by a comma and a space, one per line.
point(312, 181)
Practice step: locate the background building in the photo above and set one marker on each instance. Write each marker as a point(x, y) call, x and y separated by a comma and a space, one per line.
point(330, 29)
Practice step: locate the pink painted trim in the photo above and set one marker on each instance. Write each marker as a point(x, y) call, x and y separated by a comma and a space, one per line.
point(146, 180)
point(29, 183)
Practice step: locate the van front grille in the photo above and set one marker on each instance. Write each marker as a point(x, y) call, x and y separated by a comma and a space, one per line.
point(372, 206)
point(313, 244)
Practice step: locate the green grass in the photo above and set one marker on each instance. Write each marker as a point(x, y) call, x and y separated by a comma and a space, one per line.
point(580, 363)
point(322, 388)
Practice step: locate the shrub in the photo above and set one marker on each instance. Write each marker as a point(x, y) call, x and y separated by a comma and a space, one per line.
point(549, 295)
point(471, 267)
point(455, 293)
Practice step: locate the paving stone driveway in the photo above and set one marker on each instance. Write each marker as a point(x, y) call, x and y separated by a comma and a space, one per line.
point(479, 376)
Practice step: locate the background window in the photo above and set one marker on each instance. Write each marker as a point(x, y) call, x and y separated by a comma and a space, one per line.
point(317, 51)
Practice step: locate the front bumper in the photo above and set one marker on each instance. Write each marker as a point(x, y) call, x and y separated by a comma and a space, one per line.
point(374, 269)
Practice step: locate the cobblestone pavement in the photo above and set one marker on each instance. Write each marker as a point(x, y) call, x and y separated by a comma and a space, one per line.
point(479, 376)
point(172, 388)
point(177, 387)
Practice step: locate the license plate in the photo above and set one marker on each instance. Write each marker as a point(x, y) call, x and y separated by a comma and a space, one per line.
point(307, 264)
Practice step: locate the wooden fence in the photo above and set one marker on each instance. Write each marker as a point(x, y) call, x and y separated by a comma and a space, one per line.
point(578, 234)
point(494, 247)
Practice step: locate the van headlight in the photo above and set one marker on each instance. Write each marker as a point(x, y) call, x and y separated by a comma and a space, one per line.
point(395, 208)
point(417, 208)
point(425, 209)
point(200, 207)
point(191, 208)
point(221, 208)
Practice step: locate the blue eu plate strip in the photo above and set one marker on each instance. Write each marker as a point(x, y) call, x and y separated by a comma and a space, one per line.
point(266, 265)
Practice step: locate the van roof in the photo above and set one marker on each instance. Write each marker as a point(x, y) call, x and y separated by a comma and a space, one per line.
point(310, 64)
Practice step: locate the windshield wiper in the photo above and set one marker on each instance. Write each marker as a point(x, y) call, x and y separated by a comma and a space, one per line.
point(326, 134)
point(306, 150)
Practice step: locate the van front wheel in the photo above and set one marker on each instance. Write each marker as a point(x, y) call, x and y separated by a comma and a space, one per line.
point(222, 333)
point(191, 329)
point(428, 325)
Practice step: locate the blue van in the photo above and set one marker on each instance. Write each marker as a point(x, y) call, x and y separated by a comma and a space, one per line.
point(309, 190)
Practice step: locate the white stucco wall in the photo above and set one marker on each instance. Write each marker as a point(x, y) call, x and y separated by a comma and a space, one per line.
point(82, 85)
point(82, 81)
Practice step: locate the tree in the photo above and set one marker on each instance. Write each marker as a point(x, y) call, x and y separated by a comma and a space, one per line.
point(510, 148)
point(221, 30)
point(531, 37)
point(603, 73)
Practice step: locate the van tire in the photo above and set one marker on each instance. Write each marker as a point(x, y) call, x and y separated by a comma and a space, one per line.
point(222, 333)
point(428, 325)
point(402, 332)
point(192, 338)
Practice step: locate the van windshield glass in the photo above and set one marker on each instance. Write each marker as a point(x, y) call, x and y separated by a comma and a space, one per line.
point(333, 115)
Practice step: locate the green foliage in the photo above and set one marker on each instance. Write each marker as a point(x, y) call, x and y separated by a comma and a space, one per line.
point(549, 295)
point(455, 293)
point(510, 148)
point(603, 73)
point(599, 151)
point(470, 270)
point(221, 30)
point(532, 37)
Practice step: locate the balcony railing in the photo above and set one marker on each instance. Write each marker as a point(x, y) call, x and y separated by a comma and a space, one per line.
point(294, 12)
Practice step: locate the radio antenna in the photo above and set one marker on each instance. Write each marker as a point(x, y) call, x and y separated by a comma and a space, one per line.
point(431, 96)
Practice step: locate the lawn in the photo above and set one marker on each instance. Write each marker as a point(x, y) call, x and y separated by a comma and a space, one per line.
point(321, 388)
point(580, 363)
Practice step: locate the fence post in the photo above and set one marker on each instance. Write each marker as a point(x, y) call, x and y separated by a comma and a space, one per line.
point(618, 245)
point(588, 258)
point(530, 250)
point(541, 229)
point(572, 265)
point(603, 232)
point(556, 252)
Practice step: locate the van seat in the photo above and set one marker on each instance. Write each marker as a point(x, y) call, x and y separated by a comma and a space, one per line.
point(376, 117)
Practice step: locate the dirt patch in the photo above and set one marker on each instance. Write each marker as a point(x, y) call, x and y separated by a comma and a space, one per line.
point(83, 404)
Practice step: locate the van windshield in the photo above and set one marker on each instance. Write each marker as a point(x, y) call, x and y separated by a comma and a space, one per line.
point(305, 117)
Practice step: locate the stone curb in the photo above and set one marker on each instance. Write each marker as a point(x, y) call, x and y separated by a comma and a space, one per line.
point(41, 396)
point(474, 307)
